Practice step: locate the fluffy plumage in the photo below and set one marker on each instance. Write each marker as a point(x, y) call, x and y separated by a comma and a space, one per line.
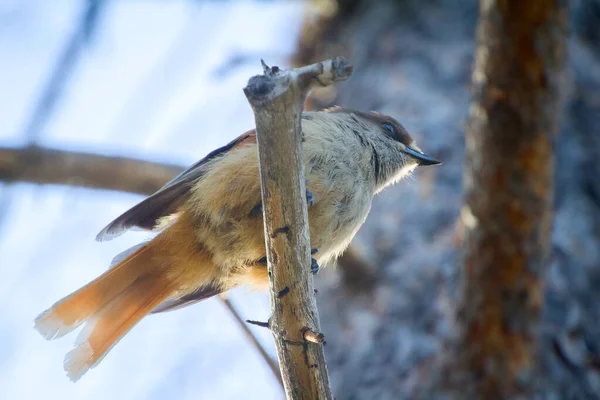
point(211, 237)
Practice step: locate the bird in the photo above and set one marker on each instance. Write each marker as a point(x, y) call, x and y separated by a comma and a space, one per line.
point(209, 233)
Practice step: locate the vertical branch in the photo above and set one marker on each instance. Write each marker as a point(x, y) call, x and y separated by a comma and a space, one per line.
point(508, 191)
point(277, 98)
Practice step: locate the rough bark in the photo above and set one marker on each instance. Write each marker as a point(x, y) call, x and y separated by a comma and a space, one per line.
point(277, 99)
point(508, 183)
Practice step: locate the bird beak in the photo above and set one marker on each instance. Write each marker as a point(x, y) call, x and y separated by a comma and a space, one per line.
point(421, 158)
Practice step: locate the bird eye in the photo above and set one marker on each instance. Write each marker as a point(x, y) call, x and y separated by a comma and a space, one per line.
point(389, 128)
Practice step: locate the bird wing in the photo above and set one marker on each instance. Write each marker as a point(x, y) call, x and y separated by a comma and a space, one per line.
point(203, 292)
point(167, 200)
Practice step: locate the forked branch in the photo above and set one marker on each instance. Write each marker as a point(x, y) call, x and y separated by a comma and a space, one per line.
point(277, 99)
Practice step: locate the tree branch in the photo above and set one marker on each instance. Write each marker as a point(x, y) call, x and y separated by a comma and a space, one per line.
point(244, 327)
point(277, 99)
point(44, 165)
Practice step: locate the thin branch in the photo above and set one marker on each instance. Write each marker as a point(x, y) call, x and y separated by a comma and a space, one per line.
point(277, 99)
point(62, 71)
point(44, 165)
point(262, 324)
point(243, 326)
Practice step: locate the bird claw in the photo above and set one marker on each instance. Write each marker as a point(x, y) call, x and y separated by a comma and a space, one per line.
point(310, 198)
point(314, 266)
point(257, 210)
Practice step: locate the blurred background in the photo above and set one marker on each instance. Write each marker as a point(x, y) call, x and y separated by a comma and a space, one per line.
point(161, 81)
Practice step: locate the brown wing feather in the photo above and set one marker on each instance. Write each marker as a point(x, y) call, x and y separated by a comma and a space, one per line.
point(170, 197)
point(197, 295)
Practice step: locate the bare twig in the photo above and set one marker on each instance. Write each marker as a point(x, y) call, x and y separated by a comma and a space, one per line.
point(51, 166)
point(62, 71)
point(44, 165)
point(277, 99)
point(268, 359)
point(262, 324)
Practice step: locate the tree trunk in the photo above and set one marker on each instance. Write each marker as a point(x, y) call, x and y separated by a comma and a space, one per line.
point(508, 182)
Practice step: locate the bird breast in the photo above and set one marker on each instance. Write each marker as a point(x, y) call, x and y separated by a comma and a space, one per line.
point(223, 199)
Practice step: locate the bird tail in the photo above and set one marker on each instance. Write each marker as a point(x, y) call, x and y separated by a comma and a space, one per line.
point(109, 306)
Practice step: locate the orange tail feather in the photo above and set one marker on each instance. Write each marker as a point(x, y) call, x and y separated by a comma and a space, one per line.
point(104, 329)
point(111, 304)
